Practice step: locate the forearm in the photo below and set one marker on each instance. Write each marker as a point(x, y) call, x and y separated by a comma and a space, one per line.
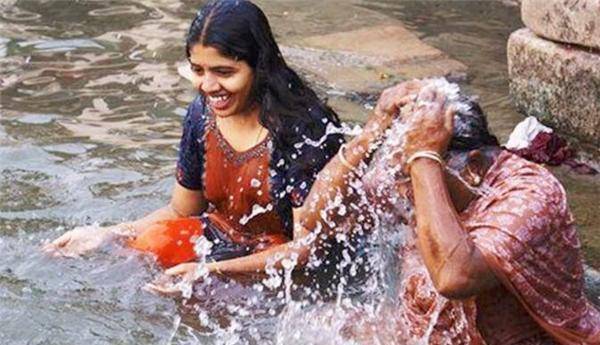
point(163, 213)
point(184, 203)
point(333, 184)
point(295, 252)
point(454, 263)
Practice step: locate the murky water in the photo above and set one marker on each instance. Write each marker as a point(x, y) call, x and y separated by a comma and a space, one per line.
point(90, 112)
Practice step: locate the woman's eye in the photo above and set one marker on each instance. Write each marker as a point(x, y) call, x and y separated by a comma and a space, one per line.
point(224, 73)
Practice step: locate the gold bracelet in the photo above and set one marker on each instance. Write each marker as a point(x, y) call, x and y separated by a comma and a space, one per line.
point(434, 156)
point(345, 162)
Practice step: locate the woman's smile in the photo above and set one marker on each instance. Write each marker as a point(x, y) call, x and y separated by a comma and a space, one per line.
point(219, 102)
point(226, 83)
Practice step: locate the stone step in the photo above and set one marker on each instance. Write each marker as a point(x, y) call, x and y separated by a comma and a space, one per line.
point(368, 59)
point(557, 83)
point(568, 21)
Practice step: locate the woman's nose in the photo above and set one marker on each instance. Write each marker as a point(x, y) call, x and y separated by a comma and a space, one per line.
point(208, 84)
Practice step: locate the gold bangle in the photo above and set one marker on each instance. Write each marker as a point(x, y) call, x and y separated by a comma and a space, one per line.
point(344, 161)
point(432, 155)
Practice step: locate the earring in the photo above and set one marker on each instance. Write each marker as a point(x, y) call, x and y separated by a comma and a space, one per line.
point(474, 177)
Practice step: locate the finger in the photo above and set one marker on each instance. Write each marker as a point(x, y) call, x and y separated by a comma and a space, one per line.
point(427, 94)
point(61, 241)
point(404, 100)
point(57, 244)
point(449, 118)
point(178, 270)
point(162, 290)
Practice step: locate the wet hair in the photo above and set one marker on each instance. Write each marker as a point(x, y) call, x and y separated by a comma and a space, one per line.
point(471, 129)
point(239, 29)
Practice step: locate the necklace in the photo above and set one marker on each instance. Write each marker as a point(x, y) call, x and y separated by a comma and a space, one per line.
point(258, 135)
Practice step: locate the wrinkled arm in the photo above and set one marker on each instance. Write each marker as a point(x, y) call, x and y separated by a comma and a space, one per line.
point(457, 268)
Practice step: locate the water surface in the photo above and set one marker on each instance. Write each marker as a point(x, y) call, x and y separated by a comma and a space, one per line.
point(90, 113)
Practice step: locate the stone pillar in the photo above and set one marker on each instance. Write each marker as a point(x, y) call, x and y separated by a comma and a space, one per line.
point(556, 82)
point(568, 21)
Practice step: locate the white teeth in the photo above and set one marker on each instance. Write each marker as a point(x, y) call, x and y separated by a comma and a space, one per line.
point(218, 98)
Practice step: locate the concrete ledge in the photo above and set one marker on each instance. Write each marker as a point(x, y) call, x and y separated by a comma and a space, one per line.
point(558, 84)
point(569, 21)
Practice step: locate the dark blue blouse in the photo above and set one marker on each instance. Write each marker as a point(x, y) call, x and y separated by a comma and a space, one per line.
point(293, 170)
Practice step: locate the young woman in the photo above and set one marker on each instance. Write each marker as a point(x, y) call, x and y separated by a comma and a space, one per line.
point(253, 142)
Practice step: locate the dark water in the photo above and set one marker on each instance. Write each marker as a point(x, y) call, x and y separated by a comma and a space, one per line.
point(90, 112)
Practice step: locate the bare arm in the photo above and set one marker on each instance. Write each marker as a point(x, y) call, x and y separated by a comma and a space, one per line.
point(455, 265)
point(184, 203)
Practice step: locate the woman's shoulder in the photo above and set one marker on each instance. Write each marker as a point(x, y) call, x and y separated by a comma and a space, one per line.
point(513, 169)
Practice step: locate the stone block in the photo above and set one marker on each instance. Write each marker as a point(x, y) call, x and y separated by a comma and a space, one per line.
point(559, 84)
point(568, 21)
point(368, 59)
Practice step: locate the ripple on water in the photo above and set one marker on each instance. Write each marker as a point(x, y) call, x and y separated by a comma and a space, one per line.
point(60, 45)
point(18, 15)
point(38, 80)
point(36, 119)
point(116, 10)
point(23, 190)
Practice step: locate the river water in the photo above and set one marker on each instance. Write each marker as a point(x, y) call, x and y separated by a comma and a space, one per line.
point(90, 113)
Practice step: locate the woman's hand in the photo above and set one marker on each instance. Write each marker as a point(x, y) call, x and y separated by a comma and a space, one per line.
point(178, 280)
point(389, 104)
point(430, 124)
point(79, 241)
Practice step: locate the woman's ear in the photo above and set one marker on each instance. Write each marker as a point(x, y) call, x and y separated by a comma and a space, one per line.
point(476, 167)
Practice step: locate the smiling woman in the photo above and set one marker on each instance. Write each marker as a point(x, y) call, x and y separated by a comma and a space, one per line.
point(244, 170)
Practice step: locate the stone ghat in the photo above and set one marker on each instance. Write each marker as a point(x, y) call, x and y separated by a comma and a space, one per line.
point(554, 65)
point(568, 21)
point(557, 83)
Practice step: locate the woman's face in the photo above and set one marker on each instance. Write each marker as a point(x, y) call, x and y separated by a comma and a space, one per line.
point(225, 82)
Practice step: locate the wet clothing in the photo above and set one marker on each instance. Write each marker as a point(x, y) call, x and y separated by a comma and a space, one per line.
point(251, 193)
point(527, 235)
point(525, 231)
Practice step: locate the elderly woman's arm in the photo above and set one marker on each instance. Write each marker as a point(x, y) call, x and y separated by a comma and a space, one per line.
point(455, 265)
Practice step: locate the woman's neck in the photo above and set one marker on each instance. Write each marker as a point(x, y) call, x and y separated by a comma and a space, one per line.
point(241, 122)
point(463, 195)
point(242, 131)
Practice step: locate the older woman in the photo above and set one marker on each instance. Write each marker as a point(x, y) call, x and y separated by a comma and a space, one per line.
point(494, 236)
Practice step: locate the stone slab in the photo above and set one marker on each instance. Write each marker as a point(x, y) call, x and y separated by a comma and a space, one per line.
point(568, 21)
point(559, 84)
point(369, 59)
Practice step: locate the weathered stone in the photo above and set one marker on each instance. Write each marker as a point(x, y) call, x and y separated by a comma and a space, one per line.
point(559, 84)
point(366, 60)
point(569, 21)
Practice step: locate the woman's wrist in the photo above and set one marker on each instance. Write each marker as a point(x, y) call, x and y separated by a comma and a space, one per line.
point(420, 165)
point(123, 230)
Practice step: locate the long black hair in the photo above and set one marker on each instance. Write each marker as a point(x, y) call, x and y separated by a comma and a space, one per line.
point(240, 30)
